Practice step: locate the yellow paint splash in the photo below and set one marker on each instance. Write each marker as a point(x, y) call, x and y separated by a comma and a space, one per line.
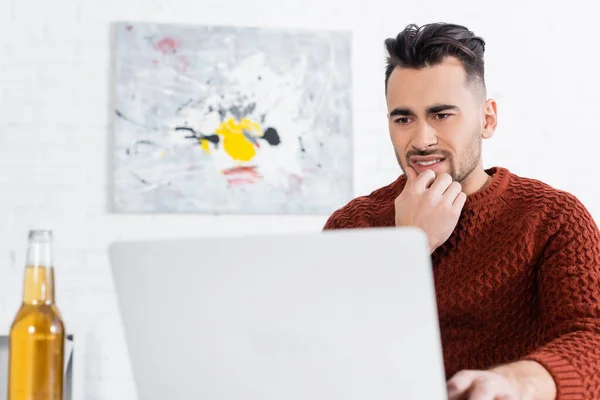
point(204, 145)
point(235, 142)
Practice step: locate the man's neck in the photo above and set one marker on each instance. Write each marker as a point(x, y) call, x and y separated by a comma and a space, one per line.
point(476, 181)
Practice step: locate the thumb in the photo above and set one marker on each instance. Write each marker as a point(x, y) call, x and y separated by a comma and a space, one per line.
point(411, 174)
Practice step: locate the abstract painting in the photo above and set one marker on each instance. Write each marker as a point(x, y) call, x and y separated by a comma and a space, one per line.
point(215, 119)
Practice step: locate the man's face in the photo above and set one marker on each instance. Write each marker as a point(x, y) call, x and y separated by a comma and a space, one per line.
point(436, 121)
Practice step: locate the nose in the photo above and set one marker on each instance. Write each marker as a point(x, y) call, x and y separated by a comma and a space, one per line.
point(424, 136)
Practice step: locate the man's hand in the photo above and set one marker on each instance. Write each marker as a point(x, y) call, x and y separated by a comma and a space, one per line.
point(521, 380)
point(435, 209)
point(486, 385)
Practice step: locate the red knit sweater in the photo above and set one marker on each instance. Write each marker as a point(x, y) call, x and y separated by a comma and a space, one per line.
point(519, 278)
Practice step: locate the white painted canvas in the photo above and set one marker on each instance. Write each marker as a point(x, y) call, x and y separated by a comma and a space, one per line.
point(215, 119)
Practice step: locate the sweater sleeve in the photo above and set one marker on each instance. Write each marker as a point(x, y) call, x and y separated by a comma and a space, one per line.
point(340, 219)
point(331, 223)
point(350, 216)
point(569, 296)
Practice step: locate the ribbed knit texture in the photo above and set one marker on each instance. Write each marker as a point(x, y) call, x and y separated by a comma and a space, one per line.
point(518, 279)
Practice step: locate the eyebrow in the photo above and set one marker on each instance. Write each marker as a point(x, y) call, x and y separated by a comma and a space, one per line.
point(400, 111)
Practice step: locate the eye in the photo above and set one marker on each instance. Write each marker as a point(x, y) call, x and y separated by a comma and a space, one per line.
point(401, 121)
point(442, 116)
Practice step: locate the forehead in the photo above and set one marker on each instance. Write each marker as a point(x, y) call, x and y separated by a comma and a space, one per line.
point(443, 83)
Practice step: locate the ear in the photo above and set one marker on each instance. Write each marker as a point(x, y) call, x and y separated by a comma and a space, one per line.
point(490, 118)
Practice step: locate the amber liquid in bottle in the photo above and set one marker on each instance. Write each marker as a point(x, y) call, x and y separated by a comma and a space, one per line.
point(37, 335)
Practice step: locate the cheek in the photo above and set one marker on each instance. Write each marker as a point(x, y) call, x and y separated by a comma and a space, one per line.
point(399, 140)
point(455, 135)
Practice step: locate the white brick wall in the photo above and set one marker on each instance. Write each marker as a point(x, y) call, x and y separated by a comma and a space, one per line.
point(55, 108)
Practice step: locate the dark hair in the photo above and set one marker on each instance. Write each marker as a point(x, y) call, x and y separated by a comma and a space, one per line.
point(428, 45)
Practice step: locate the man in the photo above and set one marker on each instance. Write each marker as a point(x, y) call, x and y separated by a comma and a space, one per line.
point(516, 262)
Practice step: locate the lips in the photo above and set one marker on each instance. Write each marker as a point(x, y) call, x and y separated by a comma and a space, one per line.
point(422, 163)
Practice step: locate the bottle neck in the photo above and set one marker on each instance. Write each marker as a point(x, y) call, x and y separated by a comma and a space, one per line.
point(39, 274)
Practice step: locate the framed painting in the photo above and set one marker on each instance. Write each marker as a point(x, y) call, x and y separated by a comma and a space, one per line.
point(214, 119)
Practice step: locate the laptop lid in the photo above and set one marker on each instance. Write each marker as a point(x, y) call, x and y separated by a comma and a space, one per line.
point(335, 315)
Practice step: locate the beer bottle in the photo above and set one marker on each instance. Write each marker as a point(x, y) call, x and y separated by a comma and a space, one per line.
point(37, 334)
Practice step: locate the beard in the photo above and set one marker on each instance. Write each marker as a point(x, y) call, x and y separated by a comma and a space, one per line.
point(469, 159)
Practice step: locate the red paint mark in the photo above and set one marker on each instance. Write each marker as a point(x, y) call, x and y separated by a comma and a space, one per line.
point(154, 62)
point(184, 64)
point(128, 28)
point(294, 187)
point(167, 45)
point(242, 170)
point(298, 179)
point(240, 181)
point(241, 175)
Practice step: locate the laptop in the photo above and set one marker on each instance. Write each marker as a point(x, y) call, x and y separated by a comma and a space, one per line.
point(335, 315)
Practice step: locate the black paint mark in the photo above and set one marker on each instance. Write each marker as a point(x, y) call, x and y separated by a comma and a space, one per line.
point(222, 113)
point(251, 138)
point(134, 149)
point(199, 136)
point(249, 109)
point(262, 118)
point(122, 116)
point(319, 165)
point(139, 178)
point(187, 103)
point(260, 78)
point(302, 149)
point(272, 137)
point(212, 138)
point(236, 112)
point(186, 128)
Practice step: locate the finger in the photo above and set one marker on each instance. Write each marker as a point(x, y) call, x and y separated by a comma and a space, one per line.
point(460, 201)
point(453, 190)
point(483, 391)
point(441, 183)
point(460, 384)
point(425, 179)
point(411, 174)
